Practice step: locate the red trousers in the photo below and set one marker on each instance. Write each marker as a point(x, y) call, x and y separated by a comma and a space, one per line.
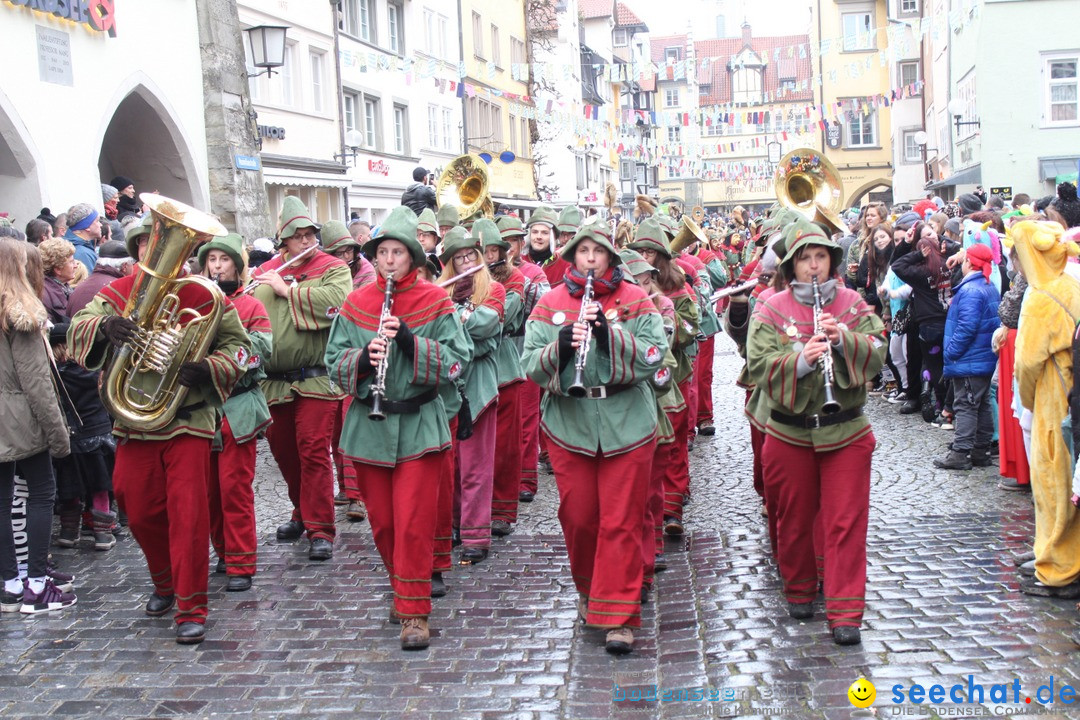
point(232, 503)
point(602, 511)
point(402, 510)
point(472, 489)
point(301, 440)
point(652, 539)
point(677, 469)
point(444, 519)
point(689, 389)
point(529, 400)
point(703, 371)
point(504, 494)
point(346, 473)
point(836, 484)
point(162, 486)
point(1013, 460)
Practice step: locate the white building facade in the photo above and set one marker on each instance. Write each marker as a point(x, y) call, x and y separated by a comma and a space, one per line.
point(911, 173)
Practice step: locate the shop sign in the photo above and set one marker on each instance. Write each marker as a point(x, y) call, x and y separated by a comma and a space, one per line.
point(271, 132)
point(378, 167)
point(1005, 192)
point(834, 134)
point(97, 15)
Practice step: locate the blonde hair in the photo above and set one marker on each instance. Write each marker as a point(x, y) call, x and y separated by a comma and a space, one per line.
point(481, 280)
point(34, 271)
point(80, 274)
point(15, 288)
point(54, 253)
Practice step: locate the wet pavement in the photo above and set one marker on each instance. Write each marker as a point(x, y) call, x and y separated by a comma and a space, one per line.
point(312, 640)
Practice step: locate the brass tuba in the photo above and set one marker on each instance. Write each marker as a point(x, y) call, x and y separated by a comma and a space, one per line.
point(465, 183)
point(141, 385)
point(689, 233)
point(809, 184)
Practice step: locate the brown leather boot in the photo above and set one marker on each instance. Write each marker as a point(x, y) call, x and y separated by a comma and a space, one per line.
point(619, 641)
point(414, 633)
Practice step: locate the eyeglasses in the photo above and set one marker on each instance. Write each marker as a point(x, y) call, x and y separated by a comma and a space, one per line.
point(467, 259)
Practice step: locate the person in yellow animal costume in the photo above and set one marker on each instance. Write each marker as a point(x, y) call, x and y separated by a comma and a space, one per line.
point(1044, 369)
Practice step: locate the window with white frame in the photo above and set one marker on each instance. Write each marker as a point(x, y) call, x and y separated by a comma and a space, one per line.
point(859, 31)
point(626, 169)
point(862, 129)
point(672, 54)
point(401, 129)
point(620, 38)
point(496, 46)
point(671, 97)
point(350, 17)
point(449, 142)
point(350, 105)
point(715, 129)
point(367, 20)
point(674, 133)
point(517, 52)
point(478, 35)
point(433, 126)
point(371, 123)
point(395, 30)
point(429, 31)
point(318, 84)
point(443, 24)
point(1061, 89)
point(513, 133)
point(965, 92)
point(526, 139)
point(287, 77)
point(496, 124)
point(579, 167)
point(746, 86)
point(913, 152)
point(909, 6)
point(256, 85)
point(909, 72)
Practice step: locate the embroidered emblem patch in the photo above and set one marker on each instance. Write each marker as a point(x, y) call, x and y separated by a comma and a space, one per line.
point(558, 318)
point(662, 377)
point(876, 341)
point(611, 315)
point(455, 371)
point(653, 355)
point(791, 331)
point(255, 361)
point(332, 312)
point(242, 356)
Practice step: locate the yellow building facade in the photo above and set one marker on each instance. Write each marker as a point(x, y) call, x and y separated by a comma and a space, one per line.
point(493, 41)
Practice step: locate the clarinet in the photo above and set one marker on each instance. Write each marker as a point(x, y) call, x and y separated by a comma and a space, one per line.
point(378, 385)
point(577, 388)
point(830, 405)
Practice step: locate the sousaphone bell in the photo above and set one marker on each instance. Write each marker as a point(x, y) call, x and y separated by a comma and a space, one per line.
point(809, 184)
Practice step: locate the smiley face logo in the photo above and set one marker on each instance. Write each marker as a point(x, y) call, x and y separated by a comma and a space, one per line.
point(862, 693)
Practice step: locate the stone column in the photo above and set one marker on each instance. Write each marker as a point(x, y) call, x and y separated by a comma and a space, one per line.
point(238, 197)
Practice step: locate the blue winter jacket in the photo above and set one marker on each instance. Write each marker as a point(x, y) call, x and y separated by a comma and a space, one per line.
point(969, 328)
point(84, 251)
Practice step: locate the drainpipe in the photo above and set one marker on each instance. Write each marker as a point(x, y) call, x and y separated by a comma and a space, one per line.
point(464, 97)
point(334, 5)
point(821, 74)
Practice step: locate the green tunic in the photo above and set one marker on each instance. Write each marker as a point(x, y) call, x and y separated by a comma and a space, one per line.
point(687, 328)
point(246, 409)
point(507, 354)
point(483, 325)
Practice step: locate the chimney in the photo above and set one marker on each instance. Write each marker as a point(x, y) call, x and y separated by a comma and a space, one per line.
point(746, 34)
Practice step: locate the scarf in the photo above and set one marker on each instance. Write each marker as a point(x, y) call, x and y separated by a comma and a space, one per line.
point(128, 205)
point(804, 292)
point(602, 284)
point(539, 256)
point(463, 289)
point(228, 286)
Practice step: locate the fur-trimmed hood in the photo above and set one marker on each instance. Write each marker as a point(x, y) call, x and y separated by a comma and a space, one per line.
point(24, 319)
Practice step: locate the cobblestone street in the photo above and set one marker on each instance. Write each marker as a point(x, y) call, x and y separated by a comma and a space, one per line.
point(312, 640)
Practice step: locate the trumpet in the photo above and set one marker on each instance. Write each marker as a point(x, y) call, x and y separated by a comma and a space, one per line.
point(378, 385)
point(830, 406)
point(577, 388)
point(256, 282)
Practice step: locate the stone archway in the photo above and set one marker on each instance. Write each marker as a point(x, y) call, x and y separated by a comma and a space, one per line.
point(143, 141)
point(855, 198)
point(21, 180)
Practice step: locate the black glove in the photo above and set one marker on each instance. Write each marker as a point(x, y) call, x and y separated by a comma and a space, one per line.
point(119, 330)
point(194, 374)
point(600, 331)
point(566, 346)
point(405, 340)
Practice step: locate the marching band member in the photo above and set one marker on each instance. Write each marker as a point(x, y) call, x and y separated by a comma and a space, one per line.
point(536, 285)
point(160, 477)
point(566, 226)
point(653, 246)
point(601, 444)
point(447, 218)
point(244, 418)
point(480, 303)
point(815, 460)
point(716, 274)
point(301, 304)
point(427, 232)
point(394, 349)
point(542, 242)
point(339, 242)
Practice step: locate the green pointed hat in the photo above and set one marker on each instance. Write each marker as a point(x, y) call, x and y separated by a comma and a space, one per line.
point(457, 238)
point(542, 214)
point(800, 233)
point(133, 235)
point(668, 224)
point(428, 222)
point(335, 236)
point(231, 244)
point(399, 225)
point(650, 236)
point(467, 223)
point(634, 264)
point(569, 219)
point(294, 215)
point(487, 233)
point(510, 226)
point(448, 215)
point(600, 233)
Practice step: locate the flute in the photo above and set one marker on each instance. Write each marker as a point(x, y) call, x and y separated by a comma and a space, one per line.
point(467, 273)
point(255, 282)
point(720, 294)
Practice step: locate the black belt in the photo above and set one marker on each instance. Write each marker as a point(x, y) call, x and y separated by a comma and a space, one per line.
point(810, 422)
point(599, 392)
point(401, 407)
point(240, 391)
point(184, 413)
point(297, 375)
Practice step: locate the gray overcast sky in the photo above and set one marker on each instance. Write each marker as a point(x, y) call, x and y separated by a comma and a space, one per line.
point(767, 17)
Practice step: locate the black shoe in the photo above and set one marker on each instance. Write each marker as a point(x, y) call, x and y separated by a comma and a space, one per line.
point(910, 407)
point(955, 460)
point(289, 531)
point(690, 445)
point(501, 528)
point(673, 527)
point(980, 457)
point(645, 594)
point(190, 633)
point(238, 583)
point(158, 605)
point(926, 405)
point(846, 635)
point(660, 563)
point(706, 429)
point(321, 549)
point(1013, 486)
point(800, 611)
point(473, 555)
point(438, 587)
point(526, 496)
point(220, 567)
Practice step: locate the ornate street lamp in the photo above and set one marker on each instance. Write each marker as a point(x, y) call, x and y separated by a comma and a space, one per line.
point(267, 43)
